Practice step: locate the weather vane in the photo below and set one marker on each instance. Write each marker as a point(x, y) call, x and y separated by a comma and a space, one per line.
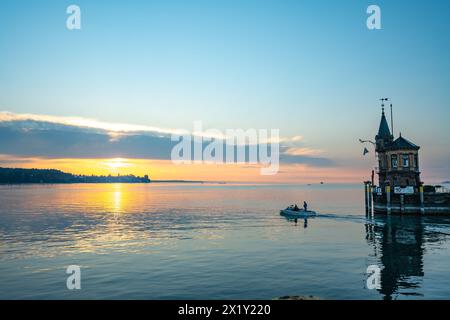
point(383, 100)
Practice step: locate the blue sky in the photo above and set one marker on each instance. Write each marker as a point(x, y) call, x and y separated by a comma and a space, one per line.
point(310, 68)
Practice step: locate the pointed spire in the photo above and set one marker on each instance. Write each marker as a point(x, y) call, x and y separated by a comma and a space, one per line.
point(383, 131)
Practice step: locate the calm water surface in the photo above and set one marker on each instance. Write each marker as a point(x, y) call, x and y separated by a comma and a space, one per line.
point(180, 241)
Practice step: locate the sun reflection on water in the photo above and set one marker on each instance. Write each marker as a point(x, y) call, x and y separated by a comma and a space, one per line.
point(117, 199)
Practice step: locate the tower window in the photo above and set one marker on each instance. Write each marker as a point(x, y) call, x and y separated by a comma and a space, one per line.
point(394, 161)
point(405, 160)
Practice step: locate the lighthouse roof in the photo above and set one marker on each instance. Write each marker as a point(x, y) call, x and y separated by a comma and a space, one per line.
point(383, 131)
point(403, 144)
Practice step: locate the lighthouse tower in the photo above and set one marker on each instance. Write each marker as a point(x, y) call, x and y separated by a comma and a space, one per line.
point(398, 160)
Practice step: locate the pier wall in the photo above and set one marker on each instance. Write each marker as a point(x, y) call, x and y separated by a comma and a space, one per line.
point(419, 203)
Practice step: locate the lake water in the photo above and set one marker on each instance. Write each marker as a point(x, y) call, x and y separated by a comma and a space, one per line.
point(193, 241)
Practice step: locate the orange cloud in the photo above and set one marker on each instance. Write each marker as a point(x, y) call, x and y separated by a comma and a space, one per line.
point(303, 152)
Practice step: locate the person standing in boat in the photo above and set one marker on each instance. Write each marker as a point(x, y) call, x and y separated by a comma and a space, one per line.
point(305, 206)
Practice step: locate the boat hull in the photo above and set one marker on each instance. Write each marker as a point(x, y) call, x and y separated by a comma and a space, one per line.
point(297, 214)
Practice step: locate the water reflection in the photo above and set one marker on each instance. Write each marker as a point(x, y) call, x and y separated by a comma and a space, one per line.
point(399, 245)
point(54, 220)
point(117, 199)
point(194, 241)
point(296, 221)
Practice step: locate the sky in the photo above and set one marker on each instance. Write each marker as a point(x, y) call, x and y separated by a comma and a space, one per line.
point(311, 69)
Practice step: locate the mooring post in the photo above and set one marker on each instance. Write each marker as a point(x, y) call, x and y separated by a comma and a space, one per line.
point(402, 203)
point(370, 198)
point(366, 205)
point(366, 198)
point(388, 199)
point(422, 204)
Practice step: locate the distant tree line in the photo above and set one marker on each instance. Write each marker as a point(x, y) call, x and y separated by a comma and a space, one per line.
point(17, 175)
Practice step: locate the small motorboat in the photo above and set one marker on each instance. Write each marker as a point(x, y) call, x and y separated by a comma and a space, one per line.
point(297, 213)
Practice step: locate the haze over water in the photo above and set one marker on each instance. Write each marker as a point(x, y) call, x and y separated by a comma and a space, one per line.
point(200, 241)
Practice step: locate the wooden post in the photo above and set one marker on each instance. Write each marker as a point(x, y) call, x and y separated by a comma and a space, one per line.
point(366, 197)
point(422, 202)
point(402, 203)
point(388, 199)
point(370, 199)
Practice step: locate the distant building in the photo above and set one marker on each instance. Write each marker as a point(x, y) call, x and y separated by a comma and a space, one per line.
point(398, 160)
point(400, 189)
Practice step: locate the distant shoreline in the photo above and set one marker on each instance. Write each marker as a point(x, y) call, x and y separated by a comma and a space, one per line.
point(151, 182)
point(42, 176)
point(105, 182)
point(180, 181)
point(9, 176)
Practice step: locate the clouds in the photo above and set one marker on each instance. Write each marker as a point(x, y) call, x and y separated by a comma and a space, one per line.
point(72, 142)
point(24, 135)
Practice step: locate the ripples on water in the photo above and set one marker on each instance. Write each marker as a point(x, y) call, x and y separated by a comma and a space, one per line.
point(158, 241)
